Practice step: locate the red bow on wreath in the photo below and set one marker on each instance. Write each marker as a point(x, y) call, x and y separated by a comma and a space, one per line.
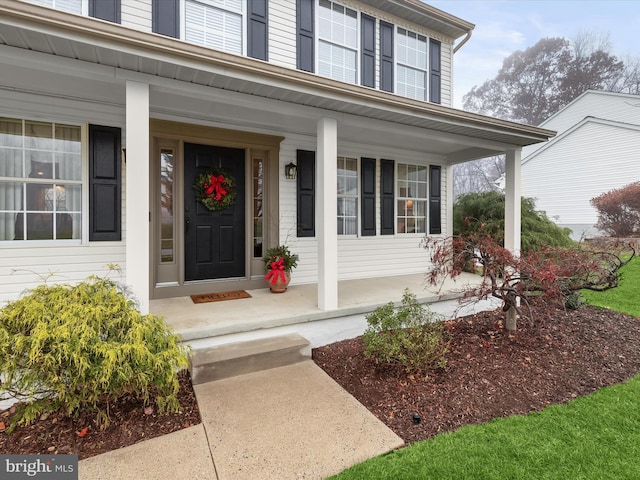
point(215, 187)
point(276, 269)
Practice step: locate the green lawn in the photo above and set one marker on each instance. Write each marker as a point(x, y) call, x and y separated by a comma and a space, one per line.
point(595, 437)
point(624, 298)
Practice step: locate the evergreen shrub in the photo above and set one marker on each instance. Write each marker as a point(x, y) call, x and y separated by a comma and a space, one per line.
point(83, 346)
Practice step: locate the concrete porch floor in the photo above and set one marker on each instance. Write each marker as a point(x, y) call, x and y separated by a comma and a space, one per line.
point(296, 310)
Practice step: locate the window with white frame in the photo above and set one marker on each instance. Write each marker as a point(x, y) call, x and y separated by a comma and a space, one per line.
point(412, 198)
point(215, 24)
point(40, 180)
point(71, 6)
point(337, 41)
point(347, 196)
point(411, 64)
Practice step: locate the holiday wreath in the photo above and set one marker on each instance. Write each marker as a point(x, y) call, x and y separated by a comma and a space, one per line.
point(215, 189)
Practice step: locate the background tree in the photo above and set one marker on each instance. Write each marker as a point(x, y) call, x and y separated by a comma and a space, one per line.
point(484, 212)
point(477, 175)
point(535, 83)
point(619, 210)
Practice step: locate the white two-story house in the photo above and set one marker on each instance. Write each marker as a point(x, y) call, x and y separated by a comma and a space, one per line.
point(333, 120)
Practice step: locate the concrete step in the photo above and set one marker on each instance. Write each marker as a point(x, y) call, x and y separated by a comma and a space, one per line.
point(233, 359)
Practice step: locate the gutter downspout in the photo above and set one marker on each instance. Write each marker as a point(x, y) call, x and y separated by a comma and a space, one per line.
point(464, 40)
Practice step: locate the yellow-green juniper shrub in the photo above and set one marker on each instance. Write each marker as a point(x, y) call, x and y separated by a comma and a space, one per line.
point(83, 346)
point(413, 337)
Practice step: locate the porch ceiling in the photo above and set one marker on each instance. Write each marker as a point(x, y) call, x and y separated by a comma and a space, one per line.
point(124, 54)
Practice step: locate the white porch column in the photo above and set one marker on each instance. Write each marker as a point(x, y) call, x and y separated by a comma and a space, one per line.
point(326, 208)
point(513, 207)
point(137, 192)
point(448, 230)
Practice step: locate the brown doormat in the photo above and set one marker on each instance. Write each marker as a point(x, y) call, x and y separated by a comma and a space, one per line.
point(220, 296)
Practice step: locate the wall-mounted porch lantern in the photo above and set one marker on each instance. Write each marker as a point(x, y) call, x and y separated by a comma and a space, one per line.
point(290, 171)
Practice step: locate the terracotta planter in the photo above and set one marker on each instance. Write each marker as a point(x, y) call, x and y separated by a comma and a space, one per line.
point(280, 286)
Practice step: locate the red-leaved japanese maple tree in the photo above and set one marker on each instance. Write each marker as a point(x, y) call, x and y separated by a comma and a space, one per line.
point(551, 274)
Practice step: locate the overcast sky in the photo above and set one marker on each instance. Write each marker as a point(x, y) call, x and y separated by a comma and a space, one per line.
point(504, 26)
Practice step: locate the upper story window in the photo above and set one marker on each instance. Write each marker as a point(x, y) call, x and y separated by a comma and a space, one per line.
point(40, 180)
point(337, 41)
point(411, 64)
point(347, 196)
point(240, 27)
point(108, 10)
point(215, 24)
point(344, 44)
point(71, 6)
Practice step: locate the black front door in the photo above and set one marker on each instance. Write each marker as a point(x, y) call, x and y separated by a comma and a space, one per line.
point(214, 240)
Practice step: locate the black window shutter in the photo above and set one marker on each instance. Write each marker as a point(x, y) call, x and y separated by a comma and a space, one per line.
point(257, 32)
point(435, 194)
point(306, 195)
point(368, 56)
point(305, 36)
point(386, 56)
point(387, 197)
point(104, 184)
point(108, 10)
point(368, 196)
point(434, 71)
point(166, 17)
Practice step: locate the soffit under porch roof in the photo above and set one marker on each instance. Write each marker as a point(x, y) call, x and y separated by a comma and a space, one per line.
point(126, 53)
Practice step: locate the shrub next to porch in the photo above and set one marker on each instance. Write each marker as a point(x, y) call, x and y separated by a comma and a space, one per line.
point(84, 346)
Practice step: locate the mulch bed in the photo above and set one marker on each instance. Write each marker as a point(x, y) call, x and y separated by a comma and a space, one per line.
point(566, 354)
point(489, 374)
point(58, 433)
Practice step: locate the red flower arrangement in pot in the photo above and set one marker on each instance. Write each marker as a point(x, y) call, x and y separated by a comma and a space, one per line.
point(278, 263)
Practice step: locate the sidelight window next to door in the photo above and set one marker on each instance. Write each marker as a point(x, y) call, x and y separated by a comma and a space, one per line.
point(167, 226)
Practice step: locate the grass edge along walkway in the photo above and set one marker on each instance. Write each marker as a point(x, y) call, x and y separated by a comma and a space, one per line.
point(578, 440)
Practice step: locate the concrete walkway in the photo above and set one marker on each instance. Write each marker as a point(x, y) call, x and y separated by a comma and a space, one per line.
point(291, 422)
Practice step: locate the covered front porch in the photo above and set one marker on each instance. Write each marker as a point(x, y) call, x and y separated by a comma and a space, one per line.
point(266, 314)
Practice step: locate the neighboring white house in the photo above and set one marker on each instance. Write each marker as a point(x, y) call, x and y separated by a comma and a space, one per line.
point(596, 150)
point(111, 109)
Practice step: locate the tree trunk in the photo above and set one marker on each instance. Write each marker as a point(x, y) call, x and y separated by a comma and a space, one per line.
point(512, 320)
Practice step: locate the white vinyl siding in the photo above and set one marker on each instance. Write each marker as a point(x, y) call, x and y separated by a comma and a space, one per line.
point(592, 159)
point(358, 257)
point(282, 33)
point(215, 24)
point(23, 265)
point(136, 14)
point(446, 67)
